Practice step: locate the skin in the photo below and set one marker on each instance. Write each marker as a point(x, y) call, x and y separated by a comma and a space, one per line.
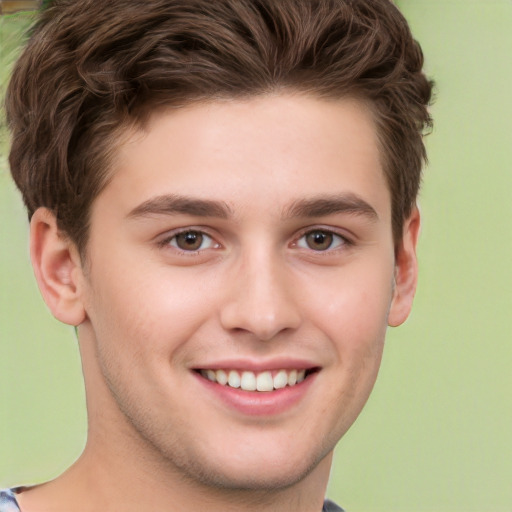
point(258, 290)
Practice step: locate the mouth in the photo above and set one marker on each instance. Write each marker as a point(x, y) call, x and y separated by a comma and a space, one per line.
point(264, 381)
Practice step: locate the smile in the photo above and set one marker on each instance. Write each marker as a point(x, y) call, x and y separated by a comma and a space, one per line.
point(264, 381)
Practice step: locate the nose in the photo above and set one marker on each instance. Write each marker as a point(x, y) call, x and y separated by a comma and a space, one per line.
point(261, 299)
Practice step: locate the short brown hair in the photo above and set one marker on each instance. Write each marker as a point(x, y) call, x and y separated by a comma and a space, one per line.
point(90, 69)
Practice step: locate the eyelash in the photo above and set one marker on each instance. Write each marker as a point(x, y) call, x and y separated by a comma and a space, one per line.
point(342, 241)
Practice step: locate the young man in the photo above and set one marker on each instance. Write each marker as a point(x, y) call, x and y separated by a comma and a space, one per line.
point(222, 200)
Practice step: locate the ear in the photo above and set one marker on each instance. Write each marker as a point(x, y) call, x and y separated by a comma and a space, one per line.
point(406, 271)
point(57, 268)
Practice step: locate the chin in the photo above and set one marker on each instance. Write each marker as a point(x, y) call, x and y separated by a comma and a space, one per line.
point(263, 479)
point(241, 472)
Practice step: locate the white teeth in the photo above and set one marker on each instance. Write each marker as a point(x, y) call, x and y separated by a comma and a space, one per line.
point(222, 377)
point(264, 382)
point(234, 379)
point(281, 379)
point(249, 381)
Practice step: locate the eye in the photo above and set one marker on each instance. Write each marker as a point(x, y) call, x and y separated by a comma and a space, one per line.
point(192, 240)
point(320, 240)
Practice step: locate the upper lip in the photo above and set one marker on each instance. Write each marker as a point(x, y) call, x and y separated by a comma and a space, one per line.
point(259, 365)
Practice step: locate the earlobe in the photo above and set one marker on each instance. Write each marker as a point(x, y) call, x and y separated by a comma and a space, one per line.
point(406, 271)
point(57, 268)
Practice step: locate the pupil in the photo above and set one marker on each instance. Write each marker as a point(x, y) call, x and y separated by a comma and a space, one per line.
point(190, 240)
point(319, 240)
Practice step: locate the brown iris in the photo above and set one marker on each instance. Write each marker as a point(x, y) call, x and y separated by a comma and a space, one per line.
point(189, 240)
point(319, 240)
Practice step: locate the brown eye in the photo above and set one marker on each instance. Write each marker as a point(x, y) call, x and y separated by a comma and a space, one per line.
point(320, 240)
point(191, 241)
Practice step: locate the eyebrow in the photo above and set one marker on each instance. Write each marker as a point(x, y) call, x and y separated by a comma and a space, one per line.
point(172, 204)
point(176, 204)
point(330, 205)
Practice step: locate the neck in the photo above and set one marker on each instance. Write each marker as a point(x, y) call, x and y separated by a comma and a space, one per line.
point(103, 480)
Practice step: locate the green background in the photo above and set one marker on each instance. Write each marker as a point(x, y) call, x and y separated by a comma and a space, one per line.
point(436, 433)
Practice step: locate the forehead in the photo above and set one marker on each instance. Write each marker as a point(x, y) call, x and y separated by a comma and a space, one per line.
point(256, 153)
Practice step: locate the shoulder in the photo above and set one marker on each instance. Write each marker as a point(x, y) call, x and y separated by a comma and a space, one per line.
point(329, 506)
point(8, 501)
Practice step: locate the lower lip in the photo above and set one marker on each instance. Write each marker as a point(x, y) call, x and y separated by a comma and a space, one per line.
point(259, 403)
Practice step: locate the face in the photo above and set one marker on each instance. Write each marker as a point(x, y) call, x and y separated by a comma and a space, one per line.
point(239, 283)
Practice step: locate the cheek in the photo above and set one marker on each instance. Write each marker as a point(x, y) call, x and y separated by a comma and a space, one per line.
point(354, 306)
point(353, 316)
point(151, 312)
